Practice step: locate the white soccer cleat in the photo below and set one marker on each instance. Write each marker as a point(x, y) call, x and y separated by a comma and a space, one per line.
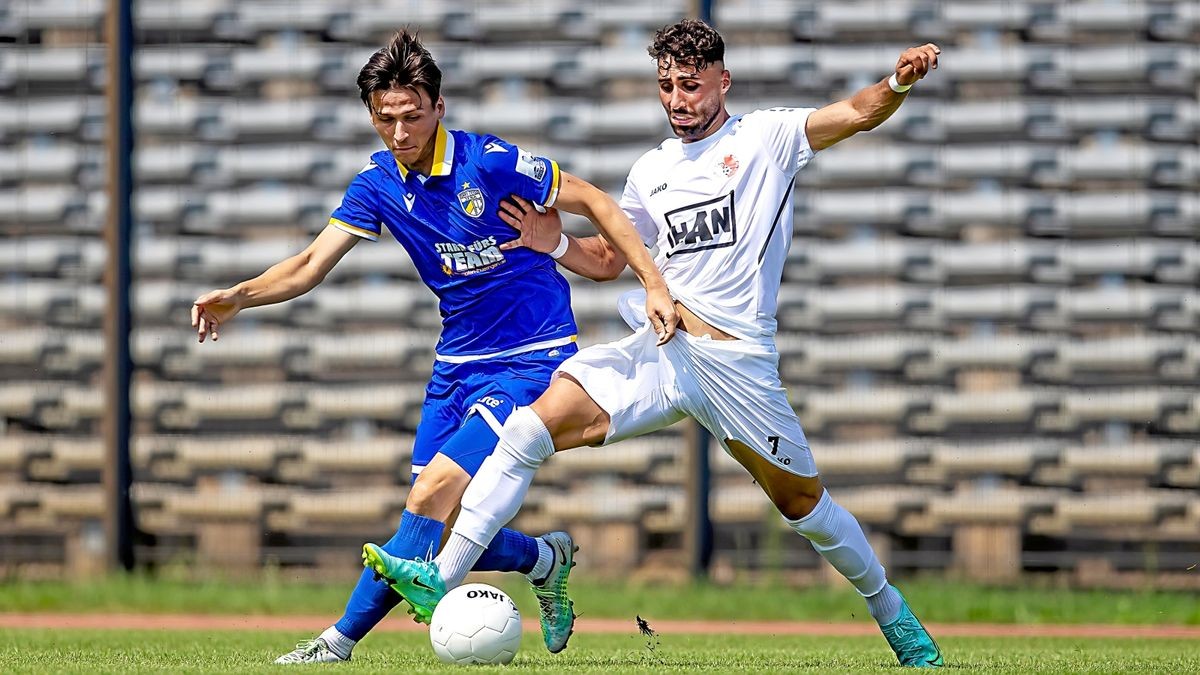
point(315, 650)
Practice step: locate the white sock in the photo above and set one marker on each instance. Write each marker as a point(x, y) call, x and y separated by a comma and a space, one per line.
point(457, 558)
point(884, 606)
point(338, 644)
point(495, 494)
point(838, 537)
point(544, 562)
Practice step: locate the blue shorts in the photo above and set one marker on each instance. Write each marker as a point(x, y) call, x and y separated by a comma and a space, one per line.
point(467, 403)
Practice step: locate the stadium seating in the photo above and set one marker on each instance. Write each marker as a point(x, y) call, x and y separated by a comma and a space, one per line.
point(988, 314)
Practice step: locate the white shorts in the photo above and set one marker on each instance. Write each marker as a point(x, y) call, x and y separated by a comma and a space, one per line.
point(731, 387)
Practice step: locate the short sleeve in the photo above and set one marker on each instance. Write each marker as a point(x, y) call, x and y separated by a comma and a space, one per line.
point(783, 134)
point(522, 173)
point(633, 206)
point(357, 213)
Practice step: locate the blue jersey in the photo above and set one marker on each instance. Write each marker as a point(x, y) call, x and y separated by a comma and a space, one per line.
point(492, 302)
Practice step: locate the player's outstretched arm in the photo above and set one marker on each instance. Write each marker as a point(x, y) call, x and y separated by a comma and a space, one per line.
point(582, 198)
point(285, 280)
point(872, 105)
point(541, 231)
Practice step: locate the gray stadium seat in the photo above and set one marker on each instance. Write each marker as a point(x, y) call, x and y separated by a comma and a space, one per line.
point(52, 68)
point(1009, 16)
point(362, 510)
point(1006, 505)
point(176, 63)
point(181, 15)
point(1164, 260)
point(299, 61)
point(807, 357)
point(367, 23)
point(39, 205)
point(1139, 406)
point(66, 115)
point(1014, 457)
point(39, 163)
point(177, 117)
point(53, 256)
point(884, 405)
point(757, 15)
point(387, 455)
point(993, 409)
point(1144, 508)
point(866, 461)
point(1005, 353)
point(808, 309)
point(634, 15)
point(502, 118)
point(1160, 356)
point(56, 302)
point(20, 17)
point(599, 122)
point(253, 19)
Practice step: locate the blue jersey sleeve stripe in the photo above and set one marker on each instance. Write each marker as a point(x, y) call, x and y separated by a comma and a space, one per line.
point(353, 229)
point(554, 183)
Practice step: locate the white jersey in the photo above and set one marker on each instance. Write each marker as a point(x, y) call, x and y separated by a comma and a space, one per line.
point(719, 212)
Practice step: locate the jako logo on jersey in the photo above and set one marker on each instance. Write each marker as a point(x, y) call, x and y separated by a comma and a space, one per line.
point(494, 147)
point(471, 259)
point(729, 165)
point(709, 224)
point(471, 200)
point(658, 189)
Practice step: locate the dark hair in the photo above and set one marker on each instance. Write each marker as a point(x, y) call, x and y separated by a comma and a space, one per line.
point(403, 63)
point(689, 42)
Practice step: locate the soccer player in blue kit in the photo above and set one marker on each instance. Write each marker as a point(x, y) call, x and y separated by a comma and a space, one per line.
point(506, 314)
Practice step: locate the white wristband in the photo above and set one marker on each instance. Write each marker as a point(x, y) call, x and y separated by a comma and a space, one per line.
point(559, 250)
point(896, 86)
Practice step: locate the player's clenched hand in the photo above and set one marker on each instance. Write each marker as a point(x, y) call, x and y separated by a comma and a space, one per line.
point(211, 310)
point(539, 231)
point(660, 308)
point(916, 62)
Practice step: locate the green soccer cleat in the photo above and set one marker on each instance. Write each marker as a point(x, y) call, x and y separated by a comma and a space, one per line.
point(418, 582)
point(557, 610)
point(912, 643)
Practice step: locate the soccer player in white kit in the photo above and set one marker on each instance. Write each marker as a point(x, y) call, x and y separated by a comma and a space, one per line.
point(715, 204)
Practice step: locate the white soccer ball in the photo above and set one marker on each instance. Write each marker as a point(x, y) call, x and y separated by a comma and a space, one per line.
point(476, 623)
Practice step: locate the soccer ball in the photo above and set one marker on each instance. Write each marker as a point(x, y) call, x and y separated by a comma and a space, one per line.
point(475, 623)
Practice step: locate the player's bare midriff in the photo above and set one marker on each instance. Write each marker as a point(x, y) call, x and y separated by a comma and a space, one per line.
point(694, 325)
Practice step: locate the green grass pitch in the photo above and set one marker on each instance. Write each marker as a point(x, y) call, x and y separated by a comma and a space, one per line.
point(43, 651)
point(936, 600)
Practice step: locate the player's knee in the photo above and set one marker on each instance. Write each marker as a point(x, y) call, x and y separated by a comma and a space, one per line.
point(435, 494)
point(799, 501)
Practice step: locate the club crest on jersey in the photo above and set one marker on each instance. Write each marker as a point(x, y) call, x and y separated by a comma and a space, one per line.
point(466, 259)
point(697, 227)
point(471, 200)
point(729, 165)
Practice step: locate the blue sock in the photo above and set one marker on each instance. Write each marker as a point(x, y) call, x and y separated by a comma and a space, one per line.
point(510, 551)
point(371, 600)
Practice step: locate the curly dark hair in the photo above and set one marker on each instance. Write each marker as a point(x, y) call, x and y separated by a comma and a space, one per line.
point(690, 42)
point(403, 63)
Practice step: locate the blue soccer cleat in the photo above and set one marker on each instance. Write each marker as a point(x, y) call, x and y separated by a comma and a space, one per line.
point(912, 643)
